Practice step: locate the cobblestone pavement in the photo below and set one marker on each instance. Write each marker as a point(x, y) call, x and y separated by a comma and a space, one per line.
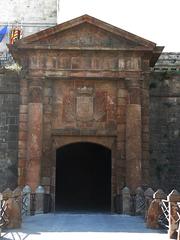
point(71, 226)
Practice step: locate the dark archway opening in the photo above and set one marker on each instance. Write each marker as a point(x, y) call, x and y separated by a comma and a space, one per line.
point(83, 177)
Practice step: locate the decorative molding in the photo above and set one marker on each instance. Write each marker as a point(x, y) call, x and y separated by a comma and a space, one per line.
point(85, 90)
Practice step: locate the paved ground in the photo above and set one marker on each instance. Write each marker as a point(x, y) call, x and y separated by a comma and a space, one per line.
point(84, 227)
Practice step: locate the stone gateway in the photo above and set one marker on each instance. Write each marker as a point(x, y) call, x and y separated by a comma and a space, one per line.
point(83, 120)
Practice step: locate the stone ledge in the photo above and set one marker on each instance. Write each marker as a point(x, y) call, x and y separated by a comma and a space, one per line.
point(83, 132)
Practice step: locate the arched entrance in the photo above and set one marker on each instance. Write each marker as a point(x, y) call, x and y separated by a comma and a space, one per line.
point(83, 177)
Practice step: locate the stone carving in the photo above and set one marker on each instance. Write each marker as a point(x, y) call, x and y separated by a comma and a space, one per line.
point(84, 108)
point(85, 90)
point(85, 105)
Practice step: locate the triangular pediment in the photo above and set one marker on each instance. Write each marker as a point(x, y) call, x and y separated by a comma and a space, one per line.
point(85, 32)
point(86, 35)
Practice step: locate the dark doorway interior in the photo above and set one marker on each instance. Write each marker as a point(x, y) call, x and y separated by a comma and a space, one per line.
point(83, 177)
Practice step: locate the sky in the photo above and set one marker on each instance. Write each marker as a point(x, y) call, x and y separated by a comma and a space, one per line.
point(155, 20)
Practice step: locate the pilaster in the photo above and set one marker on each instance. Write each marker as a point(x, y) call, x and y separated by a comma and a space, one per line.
point(133, 135)
point(34, 138)
point(22, 136)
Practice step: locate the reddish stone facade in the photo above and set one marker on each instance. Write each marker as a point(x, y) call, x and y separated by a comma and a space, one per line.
point(84, 81)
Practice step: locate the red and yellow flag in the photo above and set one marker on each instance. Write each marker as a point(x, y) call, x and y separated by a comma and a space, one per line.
point(16, 33)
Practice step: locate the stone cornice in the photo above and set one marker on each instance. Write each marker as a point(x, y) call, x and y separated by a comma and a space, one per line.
point(90, 74)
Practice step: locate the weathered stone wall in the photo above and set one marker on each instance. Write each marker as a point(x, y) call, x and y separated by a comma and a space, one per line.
point(165, 129)
point(76, 93)
point(9, 107)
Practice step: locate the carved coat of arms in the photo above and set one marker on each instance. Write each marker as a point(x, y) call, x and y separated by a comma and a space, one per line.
point(85, 104)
